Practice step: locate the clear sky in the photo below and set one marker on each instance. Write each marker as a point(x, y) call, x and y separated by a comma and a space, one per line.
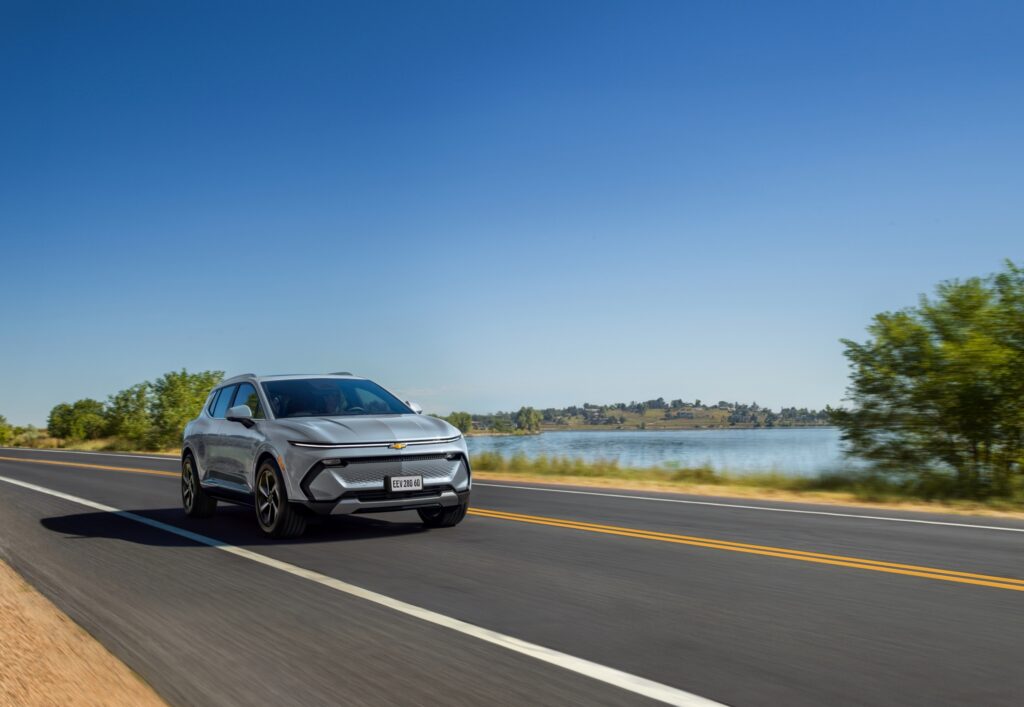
point(484, 205)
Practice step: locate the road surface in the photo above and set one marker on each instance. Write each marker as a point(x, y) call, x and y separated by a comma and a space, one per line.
point(550, 596)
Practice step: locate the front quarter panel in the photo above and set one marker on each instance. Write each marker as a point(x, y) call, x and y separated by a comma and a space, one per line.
point(194, 441)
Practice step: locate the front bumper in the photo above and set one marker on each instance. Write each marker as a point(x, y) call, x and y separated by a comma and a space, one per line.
point(385, 503)
point(329, 482)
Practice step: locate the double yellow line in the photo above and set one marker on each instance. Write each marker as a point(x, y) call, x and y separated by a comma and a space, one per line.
point(127, 469)
point(983, 580)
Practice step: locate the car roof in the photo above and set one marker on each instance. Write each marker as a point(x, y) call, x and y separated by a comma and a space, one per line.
point(286, 376)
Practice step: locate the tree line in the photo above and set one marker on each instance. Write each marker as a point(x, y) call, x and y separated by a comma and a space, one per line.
point(148, 415)
point(528, 419)
point(757, 416)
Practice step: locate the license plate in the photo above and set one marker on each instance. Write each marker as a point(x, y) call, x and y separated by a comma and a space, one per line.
point(403, 483)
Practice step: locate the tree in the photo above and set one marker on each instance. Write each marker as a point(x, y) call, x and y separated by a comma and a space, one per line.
point(83, 419)
point(501, 424)
point(128, 413)
point(6, 431)
point(528, 419)
point(58, 424)
point(462, 420)
point(940, 387)
point(177, 398)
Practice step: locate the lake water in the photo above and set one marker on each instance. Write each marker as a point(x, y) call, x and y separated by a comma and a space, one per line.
point(796, 451)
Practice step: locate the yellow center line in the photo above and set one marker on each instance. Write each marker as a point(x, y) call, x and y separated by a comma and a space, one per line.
point(695, 541)
point(785, 553)
point(127, 469)
point(655, 535)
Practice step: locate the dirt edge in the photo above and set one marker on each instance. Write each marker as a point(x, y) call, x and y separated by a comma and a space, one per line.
point(47, 659)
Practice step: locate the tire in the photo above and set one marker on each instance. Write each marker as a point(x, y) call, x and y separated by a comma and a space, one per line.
point(276, 517)
point(196, 502)
point(443, 517)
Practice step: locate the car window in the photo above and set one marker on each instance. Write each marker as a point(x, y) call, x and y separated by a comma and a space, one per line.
point(246, 395)
point(369, 401)
point(331, 397)
point(220, 408)
point(213, 400)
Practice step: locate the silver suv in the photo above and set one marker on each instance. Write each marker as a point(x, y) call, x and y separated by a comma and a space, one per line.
point(295, 447)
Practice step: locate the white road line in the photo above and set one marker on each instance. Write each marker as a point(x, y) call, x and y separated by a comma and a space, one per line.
point(751, 508)
point(596, 671)
point(123, 455)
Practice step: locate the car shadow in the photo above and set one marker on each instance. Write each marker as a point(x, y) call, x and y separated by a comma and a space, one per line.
point(232, 525)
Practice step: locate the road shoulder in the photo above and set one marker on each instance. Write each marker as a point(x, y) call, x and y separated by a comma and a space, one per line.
point(47, 659)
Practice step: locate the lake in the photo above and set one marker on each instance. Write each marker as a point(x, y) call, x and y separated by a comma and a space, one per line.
point(802, 451)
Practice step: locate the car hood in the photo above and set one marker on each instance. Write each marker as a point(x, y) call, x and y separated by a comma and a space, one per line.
point(366, 428)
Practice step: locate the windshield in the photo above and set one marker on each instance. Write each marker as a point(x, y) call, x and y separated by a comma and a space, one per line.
point(330, 397)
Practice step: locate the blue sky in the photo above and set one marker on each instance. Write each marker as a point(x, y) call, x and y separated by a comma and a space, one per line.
point(484, 205)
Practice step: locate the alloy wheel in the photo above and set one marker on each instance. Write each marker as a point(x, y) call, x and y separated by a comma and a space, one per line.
point(188, 491)
point(268, 498)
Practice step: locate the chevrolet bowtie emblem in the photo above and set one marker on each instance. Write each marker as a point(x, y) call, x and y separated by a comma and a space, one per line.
point(398, 445)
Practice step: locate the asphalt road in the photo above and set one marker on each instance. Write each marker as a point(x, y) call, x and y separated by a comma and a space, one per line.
point(742, 603)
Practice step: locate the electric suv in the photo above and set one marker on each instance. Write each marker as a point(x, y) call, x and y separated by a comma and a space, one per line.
point(295, 447)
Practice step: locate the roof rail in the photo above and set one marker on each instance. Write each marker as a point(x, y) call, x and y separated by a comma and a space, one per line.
point(340, 373)
point(240, 375)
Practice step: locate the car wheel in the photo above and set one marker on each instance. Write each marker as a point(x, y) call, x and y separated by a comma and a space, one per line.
point(196, 502)
point(443, 517)
point(276, 517)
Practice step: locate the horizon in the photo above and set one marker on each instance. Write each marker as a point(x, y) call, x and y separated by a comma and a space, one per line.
point(483, 208)
point(691, 402)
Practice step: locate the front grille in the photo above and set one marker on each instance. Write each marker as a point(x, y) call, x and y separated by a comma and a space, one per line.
point(399, 458)
point(373, 473)
point(369, 472)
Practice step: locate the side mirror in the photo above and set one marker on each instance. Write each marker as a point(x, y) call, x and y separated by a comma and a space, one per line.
point(414, 407)
point(240, 413)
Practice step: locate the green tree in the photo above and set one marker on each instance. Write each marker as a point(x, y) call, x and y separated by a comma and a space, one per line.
point(501, 424)
point(528, 419)
point(58, 424)
point(83, 419)
point(6, 431)
point(128, 413)
point(462, 420)
point(178, 397)
point(938, 389)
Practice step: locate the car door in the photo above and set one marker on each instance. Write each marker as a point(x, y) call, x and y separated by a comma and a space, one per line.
point(218, 458)
point(241, 442)
point(200, 430)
